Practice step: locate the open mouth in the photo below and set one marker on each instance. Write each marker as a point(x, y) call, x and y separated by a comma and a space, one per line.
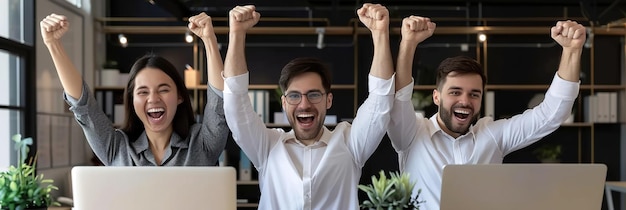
point(156, 113)
point(305, 118)
point(461, 114)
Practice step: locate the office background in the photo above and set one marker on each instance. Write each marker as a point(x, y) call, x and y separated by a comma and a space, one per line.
point(519, 56)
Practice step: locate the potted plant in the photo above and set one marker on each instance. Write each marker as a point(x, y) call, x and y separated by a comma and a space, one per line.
point(109, 64)
point(392, 193)
point(20, 187)
point(548, 153)
point(109, 74)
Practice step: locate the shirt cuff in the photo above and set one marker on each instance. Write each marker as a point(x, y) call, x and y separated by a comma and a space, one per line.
point(217, 91)
point(237, 84)
point(564, 89)
point(406, 92)
point(77, 101)
point(381, 86)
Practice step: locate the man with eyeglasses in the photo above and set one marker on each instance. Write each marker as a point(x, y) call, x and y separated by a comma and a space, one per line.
point(309, 167)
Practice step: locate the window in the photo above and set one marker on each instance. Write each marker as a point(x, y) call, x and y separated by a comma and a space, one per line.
point(11, 107)
point(16, 109)
point(12, 20)
point(77, 3)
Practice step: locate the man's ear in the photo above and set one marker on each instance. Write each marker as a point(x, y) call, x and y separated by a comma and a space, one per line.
point(283, 103)
point(329, 100)
point(436, 97)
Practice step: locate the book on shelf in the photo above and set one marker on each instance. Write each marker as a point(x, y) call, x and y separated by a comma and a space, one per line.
point(589, 102)
point(280, 118)
point(108, 104)
point(601, 107)
point(245, 167)
point(222, 159)
point(260, 100)
point(118, 114)
point(613, 107)
point(490, 104)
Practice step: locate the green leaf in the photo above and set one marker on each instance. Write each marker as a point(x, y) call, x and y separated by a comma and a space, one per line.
point(20, 186)
point(13, 186)
point(393, 192)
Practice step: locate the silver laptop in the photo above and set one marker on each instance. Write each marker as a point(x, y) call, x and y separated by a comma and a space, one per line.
point(166, 188)
point(523, 186)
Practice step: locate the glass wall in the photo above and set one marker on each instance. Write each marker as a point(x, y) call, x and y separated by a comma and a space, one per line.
point(12, 21)
point(15, 63)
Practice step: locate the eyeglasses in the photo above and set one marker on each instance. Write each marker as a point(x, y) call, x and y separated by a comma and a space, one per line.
point(313, 97)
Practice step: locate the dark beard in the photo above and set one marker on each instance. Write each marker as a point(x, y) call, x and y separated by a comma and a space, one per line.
point(446, 117)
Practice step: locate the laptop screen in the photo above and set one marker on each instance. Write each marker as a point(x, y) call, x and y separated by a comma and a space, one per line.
point(523, 186)
point(97, 187)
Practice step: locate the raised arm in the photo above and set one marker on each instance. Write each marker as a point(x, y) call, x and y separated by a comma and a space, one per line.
point(241, 18)
point(571, 36)
point(402, 127)
point(53, 27)
point(372, 117)
point(248, 129)
point(414, 30)
point(524, 129)
point(202, 26)
point(376, 18)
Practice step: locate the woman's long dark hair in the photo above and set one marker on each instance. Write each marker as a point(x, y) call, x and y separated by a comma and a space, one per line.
point(184, 117)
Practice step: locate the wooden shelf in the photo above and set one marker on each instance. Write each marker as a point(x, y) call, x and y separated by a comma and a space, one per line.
point(106, 88)
point(251, 205)
point(603, 87)
point(252, 86)
point(252, 182)
point(577, 124)
point(273, 87)
point(351, 30)
point(532, 87)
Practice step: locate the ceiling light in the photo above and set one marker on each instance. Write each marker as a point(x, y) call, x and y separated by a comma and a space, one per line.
point(188, 37)
point(123, 40)
point(482, 37)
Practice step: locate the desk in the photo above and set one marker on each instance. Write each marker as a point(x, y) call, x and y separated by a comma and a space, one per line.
point(617, 186)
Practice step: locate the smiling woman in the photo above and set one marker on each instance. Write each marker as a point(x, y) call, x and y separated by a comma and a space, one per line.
point(159, 128)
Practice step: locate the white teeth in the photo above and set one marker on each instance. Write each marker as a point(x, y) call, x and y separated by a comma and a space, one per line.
point(305, 115)
point(156, 110)
point(461, 111)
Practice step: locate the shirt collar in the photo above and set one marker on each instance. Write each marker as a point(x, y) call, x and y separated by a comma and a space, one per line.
point(141, 144)
point(291, 137)
point(433, 119)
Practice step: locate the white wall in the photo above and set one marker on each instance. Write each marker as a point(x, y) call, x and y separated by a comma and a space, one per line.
point(61, 142)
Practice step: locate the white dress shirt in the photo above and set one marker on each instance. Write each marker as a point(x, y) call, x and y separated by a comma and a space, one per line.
point(423, 148)
point(323, 175)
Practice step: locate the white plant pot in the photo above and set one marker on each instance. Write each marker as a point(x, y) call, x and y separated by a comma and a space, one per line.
point(109, 77)
point(419, 113)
